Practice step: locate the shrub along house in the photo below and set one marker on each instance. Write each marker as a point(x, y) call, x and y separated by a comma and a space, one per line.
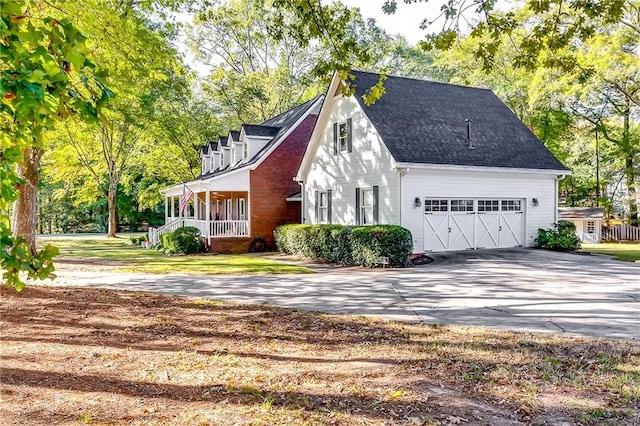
point(246, 188)
point(451, 163)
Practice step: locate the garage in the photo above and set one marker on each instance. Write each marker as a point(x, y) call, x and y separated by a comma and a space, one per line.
point(466, 224)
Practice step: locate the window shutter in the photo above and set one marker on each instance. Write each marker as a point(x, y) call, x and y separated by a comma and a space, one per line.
point(349, 138)
point(317, 193)
point(329, 206)
point(357, 206)
point(335, 138)
point(376, 214)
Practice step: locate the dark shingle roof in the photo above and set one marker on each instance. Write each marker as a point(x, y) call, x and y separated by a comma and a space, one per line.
point(581, 213)
point(235, 135)
point(223, 141)
point(213, 146)
point(282, 122)
point(424, 122)
point(204, 149)
point(260, 130)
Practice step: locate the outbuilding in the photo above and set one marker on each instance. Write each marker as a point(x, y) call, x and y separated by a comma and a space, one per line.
point(588, 221)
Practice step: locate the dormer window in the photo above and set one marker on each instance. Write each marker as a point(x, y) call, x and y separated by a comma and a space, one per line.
point(245, 150)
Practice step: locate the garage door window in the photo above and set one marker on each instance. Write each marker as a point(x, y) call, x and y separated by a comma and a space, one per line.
point(431, 205)
point(511, 205)
point(461, 205)
point(488, 205)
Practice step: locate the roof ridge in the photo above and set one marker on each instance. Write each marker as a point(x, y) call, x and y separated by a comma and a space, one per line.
point(423, 80)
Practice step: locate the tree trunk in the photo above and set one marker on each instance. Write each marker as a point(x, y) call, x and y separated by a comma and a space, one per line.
point(630, 171)
point(25, 210)
point(112, 202)
point(631, 188)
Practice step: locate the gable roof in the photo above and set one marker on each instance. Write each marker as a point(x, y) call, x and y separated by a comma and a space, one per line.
point(223, 141)
point(286, 123)
point(424, 122)
point(581, 213)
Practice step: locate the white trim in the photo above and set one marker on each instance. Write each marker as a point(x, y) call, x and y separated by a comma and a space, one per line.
point(294, 198)
point(481, 169)
point(318, 129)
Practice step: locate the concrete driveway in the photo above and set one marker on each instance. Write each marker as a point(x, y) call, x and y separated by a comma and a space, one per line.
point(520, 289)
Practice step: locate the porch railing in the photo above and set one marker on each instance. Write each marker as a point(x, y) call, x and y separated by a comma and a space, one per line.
point(229, 228)
point(155, 233)
point(587, 237)
point(214, 229)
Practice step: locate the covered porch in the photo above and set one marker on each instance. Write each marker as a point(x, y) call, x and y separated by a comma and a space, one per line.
point(217, 213)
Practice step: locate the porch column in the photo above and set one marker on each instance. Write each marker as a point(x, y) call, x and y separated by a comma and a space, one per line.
point(207, 216)
point(196, 206)
point(180, 213)
point(166, 209)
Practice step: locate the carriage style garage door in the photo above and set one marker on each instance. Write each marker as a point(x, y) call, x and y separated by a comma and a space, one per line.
point(461, 224)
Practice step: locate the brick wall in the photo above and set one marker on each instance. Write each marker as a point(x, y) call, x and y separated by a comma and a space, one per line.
point(272, 182)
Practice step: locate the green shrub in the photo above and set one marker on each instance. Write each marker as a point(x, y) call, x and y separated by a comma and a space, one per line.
point(347, 245)
point(371, 242)
point(184, 240)
point(561, 237)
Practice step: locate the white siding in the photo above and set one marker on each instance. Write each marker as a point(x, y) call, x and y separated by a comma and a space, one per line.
point(479, 184)
point(369, 164)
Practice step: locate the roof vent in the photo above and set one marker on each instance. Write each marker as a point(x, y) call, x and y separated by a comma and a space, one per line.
point(469, 143)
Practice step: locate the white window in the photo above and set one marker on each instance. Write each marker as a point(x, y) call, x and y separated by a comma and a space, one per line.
point(591, 227)
point(366, 206)
point(343, 137)
point(488, 205)
point(221, 158)
point(461, 205)
point(323, 207)
point(511, 205)
point(242, 209)
point(228, 213)
point(431, 205)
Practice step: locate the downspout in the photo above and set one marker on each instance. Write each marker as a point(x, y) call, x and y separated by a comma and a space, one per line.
point(302, 203)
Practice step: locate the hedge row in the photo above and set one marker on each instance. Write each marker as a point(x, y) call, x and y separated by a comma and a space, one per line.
point(347, 245)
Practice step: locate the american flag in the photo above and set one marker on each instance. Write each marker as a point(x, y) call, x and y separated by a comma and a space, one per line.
point(186, 196)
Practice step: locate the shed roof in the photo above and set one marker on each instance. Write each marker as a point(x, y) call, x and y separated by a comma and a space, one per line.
point(581, 212)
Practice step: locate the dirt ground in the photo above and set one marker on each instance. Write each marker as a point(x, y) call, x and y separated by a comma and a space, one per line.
point(97, 356)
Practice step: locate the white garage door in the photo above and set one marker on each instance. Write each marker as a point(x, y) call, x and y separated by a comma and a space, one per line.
point(461, 224)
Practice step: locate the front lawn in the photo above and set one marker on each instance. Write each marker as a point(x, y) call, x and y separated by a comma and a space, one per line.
point(119, 253)
point(98, 356)
point(620, 251)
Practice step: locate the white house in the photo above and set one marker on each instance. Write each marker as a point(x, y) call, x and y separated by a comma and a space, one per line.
point(588, 221)
point(451, 163)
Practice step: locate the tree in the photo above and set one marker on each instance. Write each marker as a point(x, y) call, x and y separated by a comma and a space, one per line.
point(46, 77)
point(139, 57)
point(257, 75)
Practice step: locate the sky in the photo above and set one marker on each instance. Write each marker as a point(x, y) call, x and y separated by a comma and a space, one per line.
point(406, 21)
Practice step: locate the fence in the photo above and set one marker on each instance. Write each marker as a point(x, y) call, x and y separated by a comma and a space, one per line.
point(622, 232)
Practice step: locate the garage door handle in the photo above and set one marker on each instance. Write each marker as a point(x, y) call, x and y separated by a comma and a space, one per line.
point(500, 228)
point(449, 230)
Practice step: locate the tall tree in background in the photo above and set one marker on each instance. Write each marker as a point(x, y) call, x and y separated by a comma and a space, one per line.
point(139, 58)
point(256, 75)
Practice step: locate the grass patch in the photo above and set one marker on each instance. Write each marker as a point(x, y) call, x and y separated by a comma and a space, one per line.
point(120, 253)
point(621, 251)
point(99, 356)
